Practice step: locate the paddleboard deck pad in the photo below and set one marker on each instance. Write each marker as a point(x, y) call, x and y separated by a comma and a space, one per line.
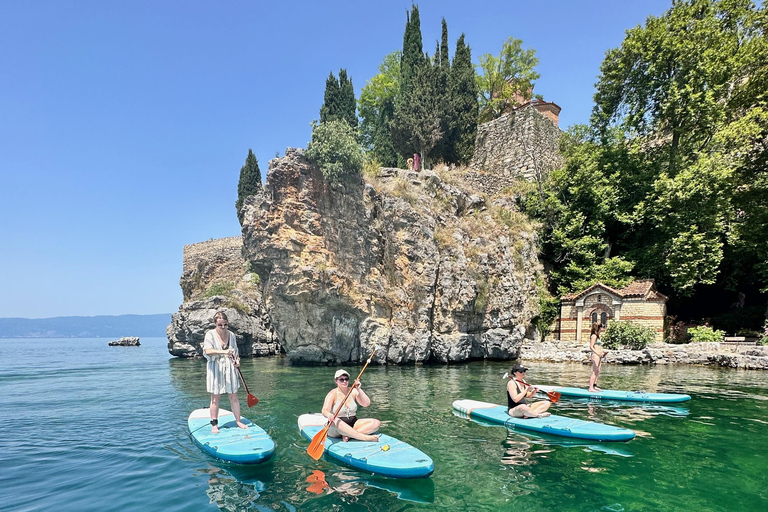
point(388, 457)
point(232, 444)
point(612, 394)
point(553, 424)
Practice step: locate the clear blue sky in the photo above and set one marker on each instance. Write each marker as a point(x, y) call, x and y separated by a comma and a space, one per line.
point(123, 125)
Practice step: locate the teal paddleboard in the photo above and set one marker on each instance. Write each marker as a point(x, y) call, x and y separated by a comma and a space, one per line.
point(612, 394)
point(553, 424)
point(251, 445)
point(387, 457)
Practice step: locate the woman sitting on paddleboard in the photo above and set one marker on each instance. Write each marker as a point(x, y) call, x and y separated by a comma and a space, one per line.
point(517, 392)
point(220, 349)
point(595, 346)
point(347, 424)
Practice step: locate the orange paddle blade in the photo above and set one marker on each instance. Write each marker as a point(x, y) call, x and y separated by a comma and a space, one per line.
point(252, 400)
point(317, 446)
point(554, 396)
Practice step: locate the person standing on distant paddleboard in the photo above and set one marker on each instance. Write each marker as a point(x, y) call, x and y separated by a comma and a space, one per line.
point(595, 346)
point(220, 349)
point(347, 424)
point(518, 391)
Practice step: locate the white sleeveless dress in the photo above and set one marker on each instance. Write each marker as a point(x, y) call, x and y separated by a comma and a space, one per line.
point(221, 374)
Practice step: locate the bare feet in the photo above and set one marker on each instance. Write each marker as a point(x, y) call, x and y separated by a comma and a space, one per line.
point(544, 415)
point(215, 429)
point(373, 438)
point(241, 424)
point(345, 438)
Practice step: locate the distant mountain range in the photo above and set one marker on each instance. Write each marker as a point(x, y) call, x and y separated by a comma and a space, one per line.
point(85, 326)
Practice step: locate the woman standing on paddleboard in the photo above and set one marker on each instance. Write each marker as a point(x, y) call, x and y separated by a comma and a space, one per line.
point(595, 346)
point(220, 349)
point(518, 391)
point(347, 424)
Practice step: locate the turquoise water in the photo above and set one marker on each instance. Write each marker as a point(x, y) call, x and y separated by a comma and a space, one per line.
point(92, 427)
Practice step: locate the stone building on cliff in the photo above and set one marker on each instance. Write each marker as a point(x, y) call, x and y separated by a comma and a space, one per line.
point(638, 302)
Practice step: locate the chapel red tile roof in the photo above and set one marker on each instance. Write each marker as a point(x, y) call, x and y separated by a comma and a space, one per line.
point(644, 288)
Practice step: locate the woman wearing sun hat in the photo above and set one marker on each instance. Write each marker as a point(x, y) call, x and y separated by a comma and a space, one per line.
point(347, 424)
point(518, 391)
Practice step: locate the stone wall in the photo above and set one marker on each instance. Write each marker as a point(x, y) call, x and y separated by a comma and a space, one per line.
point(520, 144)
point(730, 355)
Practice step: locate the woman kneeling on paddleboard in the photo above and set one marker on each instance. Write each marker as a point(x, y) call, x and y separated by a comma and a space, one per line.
point(517, 392)
point(220, 349)
point(347, 424)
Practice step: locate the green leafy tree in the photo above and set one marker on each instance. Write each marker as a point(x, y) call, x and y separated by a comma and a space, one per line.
point(689, 88)
point(334, 148)
point(503, 80)
point(249, 182)
point(376, 106)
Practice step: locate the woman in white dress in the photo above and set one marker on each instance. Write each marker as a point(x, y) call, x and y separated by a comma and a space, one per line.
point(220, 349)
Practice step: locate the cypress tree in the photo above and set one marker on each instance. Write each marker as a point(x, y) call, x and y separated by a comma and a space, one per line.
point(249, 183)
point(412, 57)
point(383, 148)
point(330, 108)
point(464, 105)
point(347, 102)
point(442, 64)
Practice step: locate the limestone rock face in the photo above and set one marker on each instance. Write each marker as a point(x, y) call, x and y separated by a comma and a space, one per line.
point(405, 261)
point(247, 321)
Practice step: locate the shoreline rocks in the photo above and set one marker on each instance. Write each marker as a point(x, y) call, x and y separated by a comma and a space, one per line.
point(730, 355)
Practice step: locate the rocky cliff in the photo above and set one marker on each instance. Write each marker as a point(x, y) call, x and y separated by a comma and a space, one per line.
point(408, 262)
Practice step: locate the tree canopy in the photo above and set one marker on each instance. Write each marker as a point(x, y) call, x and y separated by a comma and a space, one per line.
point(670, 180)
point(502, 80)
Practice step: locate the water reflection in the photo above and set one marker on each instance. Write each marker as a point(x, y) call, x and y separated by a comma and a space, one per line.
point(349, 486)
point(234, 493)
point(516, 451)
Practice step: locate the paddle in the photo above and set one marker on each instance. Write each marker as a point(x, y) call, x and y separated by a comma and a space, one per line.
point(252, 400)
point(554, 396)
point(317, 446)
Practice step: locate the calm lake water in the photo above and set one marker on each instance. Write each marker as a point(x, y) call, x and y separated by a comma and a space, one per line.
point(92, 427)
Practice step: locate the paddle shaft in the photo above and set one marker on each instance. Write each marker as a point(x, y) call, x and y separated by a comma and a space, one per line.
point(552, 395)
point(251, 399)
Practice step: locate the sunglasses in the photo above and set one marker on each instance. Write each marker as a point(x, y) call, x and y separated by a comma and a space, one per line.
point(343, 379)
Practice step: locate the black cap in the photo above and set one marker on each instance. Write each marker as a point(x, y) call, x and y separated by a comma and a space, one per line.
point(518, 368)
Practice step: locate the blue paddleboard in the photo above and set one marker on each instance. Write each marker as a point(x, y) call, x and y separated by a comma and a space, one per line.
point(612, 394)
point(387, 457)
point(553, 424)
point(232, 444)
